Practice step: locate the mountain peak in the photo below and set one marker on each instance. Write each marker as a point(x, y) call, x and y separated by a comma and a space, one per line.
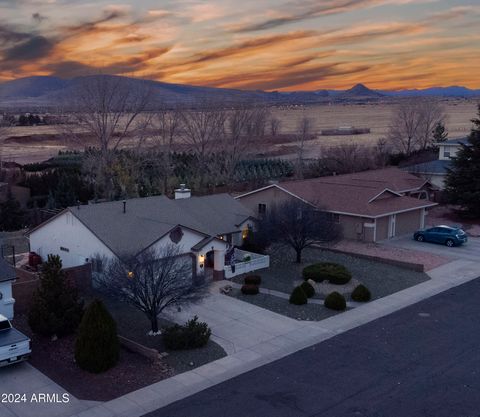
point(360, 90)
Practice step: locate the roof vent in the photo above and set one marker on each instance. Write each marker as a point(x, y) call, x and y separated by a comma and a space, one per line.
point(182, 192)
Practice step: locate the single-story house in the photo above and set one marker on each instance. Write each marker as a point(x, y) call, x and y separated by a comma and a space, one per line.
point(436, 171)
point(203, 228)
point(370, 206)
point(7, 276)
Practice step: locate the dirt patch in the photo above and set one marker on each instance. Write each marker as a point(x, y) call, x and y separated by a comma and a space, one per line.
point(56, 360)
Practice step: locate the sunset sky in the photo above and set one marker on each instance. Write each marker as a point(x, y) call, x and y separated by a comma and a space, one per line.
point(247, 44)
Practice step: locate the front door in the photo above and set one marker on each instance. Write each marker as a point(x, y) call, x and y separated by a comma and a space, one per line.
point(392, 225)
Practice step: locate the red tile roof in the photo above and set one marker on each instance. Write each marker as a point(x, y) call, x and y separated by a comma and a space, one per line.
point(361, 193)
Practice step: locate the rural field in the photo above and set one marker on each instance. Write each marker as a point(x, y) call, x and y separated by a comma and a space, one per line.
point(37, 143)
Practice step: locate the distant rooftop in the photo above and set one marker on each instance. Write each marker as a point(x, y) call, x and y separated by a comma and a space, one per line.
point(456, 141)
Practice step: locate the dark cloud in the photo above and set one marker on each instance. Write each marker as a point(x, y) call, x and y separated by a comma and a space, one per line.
point(8, 35)
point(39, 18)
point(33, 48)
point(295, 12)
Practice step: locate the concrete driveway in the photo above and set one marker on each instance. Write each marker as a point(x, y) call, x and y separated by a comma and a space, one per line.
point(25, 379)
point(469, 252)
point(237, 325)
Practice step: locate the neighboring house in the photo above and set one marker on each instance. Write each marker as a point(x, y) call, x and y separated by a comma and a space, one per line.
point(436, 171)
point(7, 275)
point(204, 228)
point(370, 206)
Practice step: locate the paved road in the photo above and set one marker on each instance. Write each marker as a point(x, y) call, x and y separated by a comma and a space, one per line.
point(421, 361)
point(470, 251)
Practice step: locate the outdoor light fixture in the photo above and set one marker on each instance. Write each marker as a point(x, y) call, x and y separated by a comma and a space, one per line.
point(201, 260)
point(130, 274)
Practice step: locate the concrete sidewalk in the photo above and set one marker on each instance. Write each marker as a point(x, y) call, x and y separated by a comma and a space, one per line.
point(25, 379)
point(286, 336)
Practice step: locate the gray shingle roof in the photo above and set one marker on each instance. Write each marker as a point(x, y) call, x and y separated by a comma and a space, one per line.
point(438, 167)
point(7, 272)
point(456, 141)
point(148, 219)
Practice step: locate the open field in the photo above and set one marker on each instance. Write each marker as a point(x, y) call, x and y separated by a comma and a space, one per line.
point(37, 143)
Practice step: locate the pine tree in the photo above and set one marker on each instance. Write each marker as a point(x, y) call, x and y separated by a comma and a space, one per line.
point(97, 347)
point(439, 133)
point(12, 216)
point(56, 308)
point(463, 180)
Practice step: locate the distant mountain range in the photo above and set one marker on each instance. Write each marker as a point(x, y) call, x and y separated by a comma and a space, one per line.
point(47, 91)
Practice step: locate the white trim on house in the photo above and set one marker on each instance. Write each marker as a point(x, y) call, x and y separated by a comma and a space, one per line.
point(386, 190)
point(381, 215)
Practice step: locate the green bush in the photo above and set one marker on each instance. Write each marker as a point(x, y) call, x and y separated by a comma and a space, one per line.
point(250, 289)
point(97, 347)
point(253, 279)
point(361, 293)
point(308, 289)
point(191, 335)
point(56, 308)
point(332, 272)
point(298, 296)
point(335, 301)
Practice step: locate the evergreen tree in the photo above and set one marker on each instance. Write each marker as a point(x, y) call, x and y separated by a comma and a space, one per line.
point(56, 308)
point(64, 196)
point(463, 180)
point(439, 133)
point(97, 347)
point(12, 216)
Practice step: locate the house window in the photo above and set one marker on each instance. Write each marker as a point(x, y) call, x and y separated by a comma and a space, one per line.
point(446, 154)
point(262, 208)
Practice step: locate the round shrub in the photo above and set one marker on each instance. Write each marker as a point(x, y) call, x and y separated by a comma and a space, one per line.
point(361, 293)
point(298, 296)
point(335, 301)
point(332, 272)
point(253, 280)
point(193, 334)
point(250, 289)
point(97, 347)
point(308, 289)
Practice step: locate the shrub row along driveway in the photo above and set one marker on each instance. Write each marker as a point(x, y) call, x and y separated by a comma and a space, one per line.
point(381, 279)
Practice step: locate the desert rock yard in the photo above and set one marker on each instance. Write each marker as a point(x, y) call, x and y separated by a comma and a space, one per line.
point(283, 275)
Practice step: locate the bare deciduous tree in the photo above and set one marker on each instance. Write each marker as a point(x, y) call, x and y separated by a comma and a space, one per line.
point(275, 126)
point(153, 281)
point(237, 138)
point(413, 123)
point(347, 158)
point(304, 133)
point(202, 130)
point(432, 113)
point(107, 110)
point(297, 225)
point(165, 128)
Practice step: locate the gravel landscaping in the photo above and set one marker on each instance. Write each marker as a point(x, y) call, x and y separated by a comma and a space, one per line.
point(133, 325)
point(56, 360)
point(313, 312)
point(381, 279)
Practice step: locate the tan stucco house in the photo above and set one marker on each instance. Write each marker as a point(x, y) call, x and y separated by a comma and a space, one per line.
point(371, 205)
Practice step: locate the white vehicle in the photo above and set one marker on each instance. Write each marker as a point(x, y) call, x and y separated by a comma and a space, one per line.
point(14, 346)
